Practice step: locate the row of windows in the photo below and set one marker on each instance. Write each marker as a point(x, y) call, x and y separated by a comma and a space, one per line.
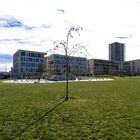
point(23, 64)
point(103, 68)
point(31, 54)
point(105, 65)
point(63, 67)
point(29, 59)
point(54, 57)
point(28, 70)
point(70, 62)
point(71, 66)
point(70, 71)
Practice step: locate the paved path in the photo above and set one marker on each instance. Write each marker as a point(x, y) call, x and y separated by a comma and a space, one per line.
point(46, 81)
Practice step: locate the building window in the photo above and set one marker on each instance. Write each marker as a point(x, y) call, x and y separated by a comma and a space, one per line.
point(23, 64)
point(30, 59)
point(22, 53)
point(32, 65)
point(27, 59)
point(39, 55)
point(21, 59)
point(37, 60)
point(41, 60)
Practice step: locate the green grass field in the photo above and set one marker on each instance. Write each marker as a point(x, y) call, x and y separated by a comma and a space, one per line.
point(102, 110)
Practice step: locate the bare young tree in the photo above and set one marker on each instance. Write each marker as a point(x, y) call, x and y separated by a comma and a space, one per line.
point(65, 49)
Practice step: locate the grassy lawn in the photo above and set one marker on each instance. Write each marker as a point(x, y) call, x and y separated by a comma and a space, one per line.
point(102, 110)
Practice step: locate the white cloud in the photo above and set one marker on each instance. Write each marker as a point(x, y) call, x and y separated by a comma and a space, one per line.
point(103, 21)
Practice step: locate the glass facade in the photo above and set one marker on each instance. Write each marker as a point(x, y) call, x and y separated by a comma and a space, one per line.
point(102, 67)
point(56, 65)
point(27, 63)
point(117, 52)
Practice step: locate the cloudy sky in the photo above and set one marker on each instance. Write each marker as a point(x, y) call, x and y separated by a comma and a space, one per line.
point(36, 24)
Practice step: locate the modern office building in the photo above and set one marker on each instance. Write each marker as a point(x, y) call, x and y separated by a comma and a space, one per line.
point(126, 68)
point(103, 67)
point(27, 63)
point(56, 65)
point(131, 68)
point(117, 52)
point(107, 67)
point(31, 64)
point(135, 67)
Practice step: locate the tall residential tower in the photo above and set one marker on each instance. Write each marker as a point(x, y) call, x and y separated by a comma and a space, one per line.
point(117, 52)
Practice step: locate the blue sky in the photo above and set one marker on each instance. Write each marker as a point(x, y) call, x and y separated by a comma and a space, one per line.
point(36, 24)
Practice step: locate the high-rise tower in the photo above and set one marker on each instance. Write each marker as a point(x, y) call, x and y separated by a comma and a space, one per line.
point(117, 52)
